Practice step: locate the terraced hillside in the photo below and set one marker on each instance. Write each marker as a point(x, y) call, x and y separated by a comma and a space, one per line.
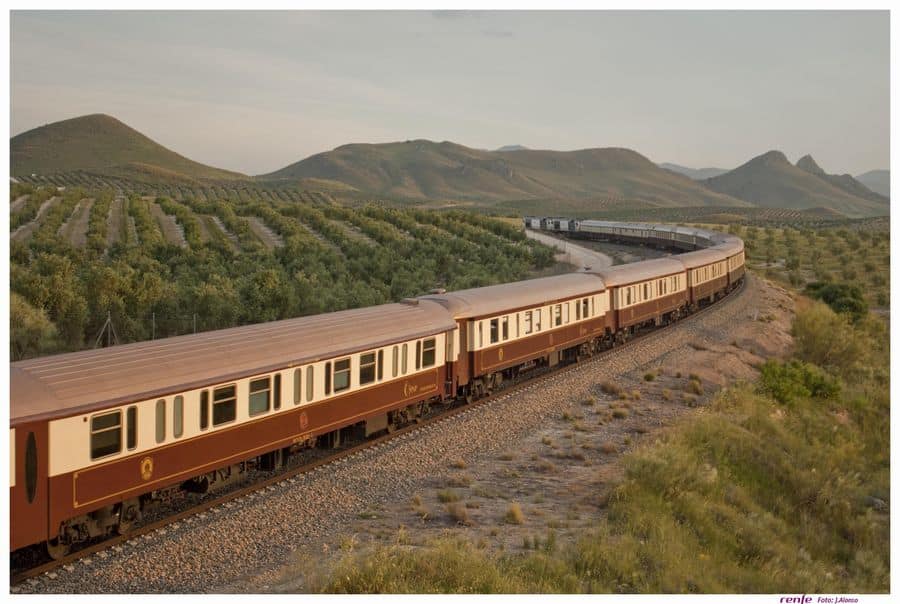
point(225, 259)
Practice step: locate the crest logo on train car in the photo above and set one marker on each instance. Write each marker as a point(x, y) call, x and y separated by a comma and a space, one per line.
point(500, 354)
point(304, 421)
point(409, 389)
point(147, 468)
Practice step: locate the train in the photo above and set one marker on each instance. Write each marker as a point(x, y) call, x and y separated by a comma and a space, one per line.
point(98, 436)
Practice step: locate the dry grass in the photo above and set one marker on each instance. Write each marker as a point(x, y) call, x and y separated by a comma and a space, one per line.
point(447, 496)
point(608, 448)
point(458, 512)
point(620, 413)
point(611, 388)
point(514, 514)
point(459, 464)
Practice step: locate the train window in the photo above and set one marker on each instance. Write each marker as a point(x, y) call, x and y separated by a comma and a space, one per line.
point(428, 352)
point(160, 420)
point(480, 334)
point(495, 330)
point(224, 405)
point(396, 362)
point(527, 322)
point(204, 410)
point(577, 311)
point(259, 396)
point(310, 373)
point(131, 427)
point(106, 434)
point(178, 417)
point(341, 375)
point(584, 308)
point(30, 467)
point(276, 391)
point(557, 315)
point(566, 313)
point(380, 364)
point(646, 291)
point(518, 325)
point(403, 360)
point(298, 385)
point(627, 296)
point(366, 368)
point(537, 320)
point(504, 328)
point(419, 355)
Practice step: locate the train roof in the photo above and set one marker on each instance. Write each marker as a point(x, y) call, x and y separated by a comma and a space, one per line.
point(496, 299)
point(624, 274)
point(701, 257)
point(79, 382)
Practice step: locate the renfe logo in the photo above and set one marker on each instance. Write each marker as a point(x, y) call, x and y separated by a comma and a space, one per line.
point(804, 599)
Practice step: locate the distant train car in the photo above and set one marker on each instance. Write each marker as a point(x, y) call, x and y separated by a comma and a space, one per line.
point(504, 328)
point(707, 274)
point(651, 291)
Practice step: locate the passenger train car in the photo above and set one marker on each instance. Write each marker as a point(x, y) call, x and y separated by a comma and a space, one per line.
point(98, 436)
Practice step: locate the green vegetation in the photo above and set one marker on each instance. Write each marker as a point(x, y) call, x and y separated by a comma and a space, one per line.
point(842, 266)
point(150, 287)
point(777, 489)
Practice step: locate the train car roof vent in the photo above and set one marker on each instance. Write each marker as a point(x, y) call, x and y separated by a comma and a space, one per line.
point(438, 291)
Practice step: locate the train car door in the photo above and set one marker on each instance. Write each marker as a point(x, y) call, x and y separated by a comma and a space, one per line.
point(29, 493)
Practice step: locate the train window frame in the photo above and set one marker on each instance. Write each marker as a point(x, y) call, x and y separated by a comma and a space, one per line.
point(344, 372)
point(395, 364)
point(160, 412)
point(178, 416)
point(328, 378)
point(259, 396)
point(418, 354)
point(557, 315)
point(480, 334)
point(227, 403)
point(495, 331)
point(584, 308)
point(118, 426)
point(368, 368)
point(380, 365)
point(529, 326)
point(537, 320)
point(577, 311)
point(298, 385)
point(504, 328)
point(276, 391)
point(404, 358)
point(131, 428)
point(566, 313)
point(310, 383)
point(429, 352)
point(204, 410)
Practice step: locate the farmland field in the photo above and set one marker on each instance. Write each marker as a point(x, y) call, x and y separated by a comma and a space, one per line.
point(230, 257)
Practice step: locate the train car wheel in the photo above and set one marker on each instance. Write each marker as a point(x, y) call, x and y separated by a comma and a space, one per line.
point(128, 515)
point(58, 550)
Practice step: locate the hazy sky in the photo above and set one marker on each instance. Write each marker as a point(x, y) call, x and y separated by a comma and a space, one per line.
point(255, 91)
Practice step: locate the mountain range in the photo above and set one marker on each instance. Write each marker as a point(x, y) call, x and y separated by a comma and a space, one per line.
point(426, 170)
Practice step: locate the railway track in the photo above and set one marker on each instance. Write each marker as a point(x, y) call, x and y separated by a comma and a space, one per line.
point(527, 382)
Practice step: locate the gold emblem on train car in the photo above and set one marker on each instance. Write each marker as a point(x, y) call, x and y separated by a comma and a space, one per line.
point(500, 354)
point(147, 468)
point(304, 420)
point(409, 389)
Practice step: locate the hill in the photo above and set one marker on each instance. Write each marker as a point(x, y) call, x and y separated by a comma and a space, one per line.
point(845, 182)
point(102, 144)
point(694, 173)
point(877, 180)
point(770, 180)
point(421, 169)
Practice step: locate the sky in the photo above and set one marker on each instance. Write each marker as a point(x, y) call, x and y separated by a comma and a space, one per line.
point(256, 91)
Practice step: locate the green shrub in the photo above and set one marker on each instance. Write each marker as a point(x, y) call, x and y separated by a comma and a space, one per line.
point(786, 382)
